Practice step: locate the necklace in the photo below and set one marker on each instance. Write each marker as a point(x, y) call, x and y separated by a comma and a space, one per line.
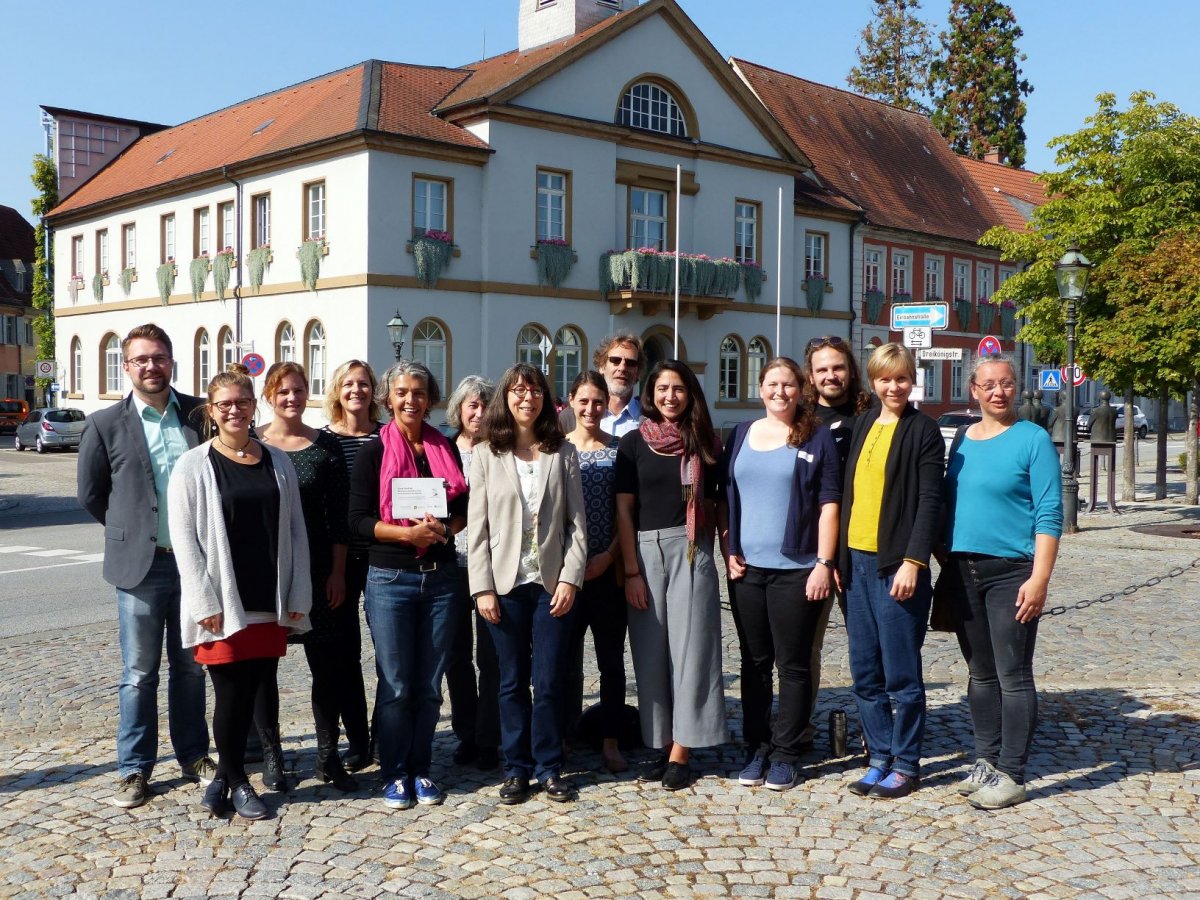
point(240, 451)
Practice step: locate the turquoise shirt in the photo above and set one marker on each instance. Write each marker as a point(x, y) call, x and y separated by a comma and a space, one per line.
point(1003, 491)
point(166, 442)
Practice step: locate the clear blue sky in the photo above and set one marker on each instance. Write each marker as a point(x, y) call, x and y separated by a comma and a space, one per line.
point(171, 62)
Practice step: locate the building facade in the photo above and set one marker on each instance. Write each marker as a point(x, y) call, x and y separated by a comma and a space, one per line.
point(16, 306)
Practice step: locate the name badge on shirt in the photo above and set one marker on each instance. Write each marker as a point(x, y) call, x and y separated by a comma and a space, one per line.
point(805, 455)
point(605, 463)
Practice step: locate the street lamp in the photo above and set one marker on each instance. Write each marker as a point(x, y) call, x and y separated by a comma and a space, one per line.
point(397, 328)
point(1071, 272)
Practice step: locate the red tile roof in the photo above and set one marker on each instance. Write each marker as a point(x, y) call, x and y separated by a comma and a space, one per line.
point(890, 162)
point(1013, 193)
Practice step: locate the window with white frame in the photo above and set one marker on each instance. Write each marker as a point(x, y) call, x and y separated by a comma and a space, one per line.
point(167, 238)
point(430, 205)
point(77, 256)
point(745, 231)
point(730, 373)
point(200, 232)
point(872, 270)
point(129, 245)
point(316, 358)
point(225, 221)
point(285, 351)
point(552, 196)
point(314, 211)
point(431, 347)
point(958, 378)
point(1006, 274)
point(533, 347)
point(262, 220)
point(647, 219)
point(8, 329)
point(113, 370)
point(933, 278)
point(76, 366)
point(815, 261)
point(933, 381)
point(203, 362)
point(102, 251)
point(568, 360)
point(651, 107)
point(983, 280)
point(962, 280)
point(758, 351)
point(227, 347)
point(901, 266)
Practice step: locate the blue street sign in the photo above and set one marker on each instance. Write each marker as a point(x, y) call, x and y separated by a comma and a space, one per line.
point(920, 315)
point(1051, 380)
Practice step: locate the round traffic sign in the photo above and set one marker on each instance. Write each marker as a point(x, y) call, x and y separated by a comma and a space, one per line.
point(254, 363)
point(1075, 379)
point(990, 346)
point(45, 368)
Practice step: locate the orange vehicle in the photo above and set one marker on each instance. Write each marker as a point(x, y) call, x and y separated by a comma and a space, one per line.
point(12, 413)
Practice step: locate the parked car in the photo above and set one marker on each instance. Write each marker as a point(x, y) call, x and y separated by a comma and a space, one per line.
point(950, 422)
point(12, 413)
point(49, 429)
point(1083, 423)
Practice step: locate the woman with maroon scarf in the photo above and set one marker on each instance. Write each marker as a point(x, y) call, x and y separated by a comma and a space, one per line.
point(665, 486)
point(412, 581)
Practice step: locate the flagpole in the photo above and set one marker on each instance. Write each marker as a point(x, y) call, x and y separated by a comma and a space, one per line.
point(779, 277)
point(678, 228)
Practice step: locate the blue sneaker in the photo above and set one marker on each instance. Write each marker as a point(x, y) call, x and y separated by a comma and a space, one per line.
point(782, 776)
point(863, 786)
point(428, 793)
point(754, 772)
point(397, 794)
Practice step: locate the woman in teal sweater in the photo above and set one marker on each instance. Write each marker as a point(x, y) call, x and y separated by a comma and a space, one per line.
point(1003, 495)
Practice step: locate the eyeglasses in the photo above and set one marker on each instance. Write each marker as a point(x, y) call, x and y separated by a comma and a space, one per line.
point(988, 386)
point(521, 392)
point(226, 405)
point(628, 362)
point(145, 362)
point(829, 340)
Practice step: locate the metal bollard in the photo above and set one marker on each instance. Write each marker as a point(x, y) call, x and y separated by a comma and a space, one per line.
point(837, 733)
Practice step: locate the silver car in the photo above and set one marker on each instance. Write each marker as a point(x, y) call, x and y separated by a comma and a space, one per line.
point(50, 429)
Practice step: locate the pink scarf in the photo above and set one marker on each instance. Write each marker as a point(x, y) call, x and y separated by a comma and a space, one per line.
point(664, 437)
point(400, 462)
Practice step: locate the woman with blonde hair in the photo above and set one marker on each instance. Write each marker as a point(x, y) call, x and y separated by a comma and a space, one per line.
point(891, 503)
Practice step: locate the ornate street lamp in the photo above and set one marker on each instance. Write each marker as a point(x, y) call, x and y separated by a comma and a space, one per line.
point(397, 328)
point(1071, 272)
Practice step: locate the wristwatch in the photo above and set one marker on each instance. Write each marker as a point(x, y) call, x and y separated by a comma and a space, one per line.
point(822, 561)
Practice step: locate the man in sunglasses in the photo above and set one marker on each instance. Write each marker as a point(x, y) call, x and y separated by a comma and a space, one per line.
point(619, 360)
point(126, 456)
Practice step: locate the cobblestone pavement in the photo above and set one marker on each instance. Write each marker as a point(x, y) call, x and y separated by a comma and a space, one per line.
point(1114, 784)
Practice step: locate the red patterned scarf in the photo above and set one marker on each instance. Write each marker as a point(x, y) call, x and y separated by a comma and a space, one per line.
point(665, 438)
point(400, 462)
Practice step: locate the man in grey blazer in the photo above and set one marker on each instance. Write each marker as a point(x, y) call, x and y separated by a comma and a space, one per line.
point(126, 456)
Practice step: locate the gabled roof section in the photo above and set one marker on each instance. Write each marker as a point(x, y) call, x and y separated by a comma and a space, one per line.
point(1013, 193)
point(369, 97)
point(16, 236)
point(890, 162)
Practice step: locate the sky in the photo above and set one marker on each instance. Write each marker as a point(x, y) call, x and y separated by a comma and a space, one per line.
point(170, 62)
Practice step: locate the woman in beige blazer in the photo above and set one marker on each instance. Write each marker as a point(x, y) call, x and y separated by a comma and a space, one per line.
point(526, 553)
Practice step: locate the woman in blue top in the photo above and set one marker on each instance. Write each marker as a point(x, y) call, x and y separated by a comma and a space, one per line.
point(1004, 498)
point(778, 498)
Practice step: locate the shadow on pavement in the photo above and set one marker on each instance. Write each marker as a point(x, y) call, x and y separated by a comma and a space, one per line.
point(17, 518)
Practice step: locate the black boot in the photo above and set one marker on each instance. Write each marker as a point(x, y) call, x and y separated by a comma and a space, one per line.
point(273, 776)
point(329, 764)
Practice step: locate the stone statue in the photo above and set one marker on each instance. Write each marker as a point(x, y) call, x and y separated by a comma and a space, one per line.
point(1025, 410)
point(1058, 420)
point(1104, 421)
point(1042, 412)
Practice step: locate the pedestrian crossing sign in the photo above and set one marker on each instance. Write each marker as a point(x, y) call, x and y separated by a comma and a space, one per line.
point(1051, 380)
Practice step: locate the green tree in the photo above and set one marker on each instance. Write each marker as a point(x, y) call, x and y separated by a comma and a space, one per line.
point(976, 83)
point(45, 180)
point(1127, 191)
point(894, 55)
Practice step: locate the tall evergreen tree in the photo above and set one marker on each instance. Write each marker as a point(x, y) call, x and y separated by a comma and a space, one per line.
point(894, 56)
point(976, 83)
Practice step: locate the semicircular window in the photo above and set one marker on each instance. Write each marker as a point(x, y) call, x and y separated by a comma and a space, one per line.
point(647, 105)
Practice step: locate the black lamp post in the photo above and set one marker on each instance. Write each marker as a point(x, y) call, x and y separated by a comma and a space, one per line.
point(397, 328)
point(1071, 272)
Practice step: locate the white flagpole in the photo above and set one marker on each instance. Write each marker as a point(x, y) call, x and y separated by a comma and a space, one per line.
point(779, 277)
point(678, 229)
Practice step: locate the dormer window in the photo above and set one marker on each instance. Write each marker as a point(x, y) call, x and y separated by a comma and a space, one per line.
point(651, 107)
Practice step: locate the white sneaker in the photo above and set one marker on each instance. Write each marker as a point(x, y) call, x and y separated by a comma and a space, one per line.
point(999, 792)
point(981, 773)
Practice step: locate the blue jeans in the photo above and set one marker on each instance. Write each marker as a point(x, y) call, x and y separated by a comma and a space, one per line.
point(885, 638)
point(143, 614)
point(532, 645)
point(411, 617)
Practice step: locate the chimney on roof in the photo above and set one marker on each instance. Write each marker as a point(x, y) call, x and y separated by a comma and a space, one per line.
point(546, 21)
point(993, 156)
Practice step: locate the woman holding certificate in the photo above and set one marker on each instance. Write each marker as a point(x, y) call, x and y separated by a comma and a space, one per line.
point(526, 554)
point(408, 498)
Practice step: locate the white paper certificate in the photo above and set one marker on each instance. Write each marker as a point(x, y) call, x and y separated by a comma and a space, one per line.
point(413, 497)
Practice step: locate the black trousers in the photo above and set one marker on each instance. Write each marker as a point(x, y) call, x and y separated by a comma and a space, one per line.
point(474, 706)
point(599, 605)
point(242, 691)
point(776, 625)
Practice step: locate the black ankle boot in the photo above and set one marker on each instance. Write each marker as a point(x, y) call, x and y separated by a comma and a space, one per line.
point(329, 764)
point(273, 776)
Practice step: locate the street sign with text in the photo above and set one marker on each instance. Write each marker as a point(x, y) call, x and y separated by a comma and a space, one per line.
point(920, 315)
point(951, 353)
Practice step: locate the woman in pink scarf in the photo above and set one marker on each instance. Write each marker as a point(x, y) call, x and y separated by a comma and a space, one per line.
point(412, 581)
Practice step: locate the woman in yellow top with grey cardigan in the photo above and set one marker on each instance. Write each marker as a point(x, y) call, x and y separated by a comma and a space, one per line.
point(890, 508)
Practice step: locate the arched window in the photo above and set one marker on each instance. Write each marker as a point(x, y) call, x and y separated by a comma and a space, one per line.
point(203, 364)
point(758, 351)
point(533, 347)
point(76, 366)
point(315, 355)
point(227, 348)
point(285, 343)
point(113, 371)
point(651, 107)
point(430, 347)
point(568, 360)
point(731, 369)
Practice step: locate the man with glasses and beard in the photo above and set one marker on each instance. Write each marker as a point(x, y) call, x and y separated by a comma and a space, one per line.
point(619, 359)
point(126, 456)
point(834, 390)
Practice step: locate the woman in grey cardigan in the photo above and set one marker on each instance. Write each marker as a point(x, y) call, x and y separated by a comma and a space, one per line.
point(239, 540)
